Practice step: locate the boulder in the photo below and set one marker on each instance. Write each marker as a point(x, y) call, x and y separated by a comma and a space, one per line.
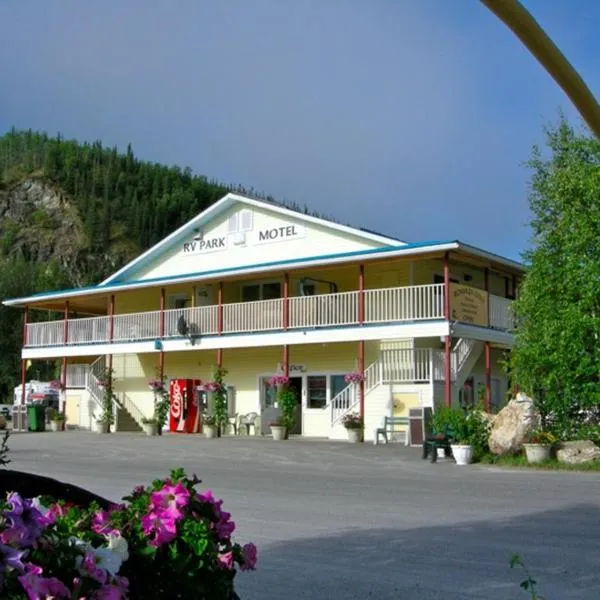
point(580, 451)
point(511, 426)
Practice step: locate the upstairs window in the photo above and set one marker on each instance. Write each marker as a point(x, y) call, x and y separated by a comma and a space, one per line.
point(240, 222)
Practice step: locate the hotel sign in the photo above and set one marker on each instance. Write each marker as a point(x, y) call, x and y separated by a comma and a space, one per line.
point(468, 305)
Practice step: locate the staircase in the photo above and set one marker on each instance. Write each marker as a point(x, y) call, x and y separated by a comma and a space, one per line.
point(127, 417)
point(414, 365)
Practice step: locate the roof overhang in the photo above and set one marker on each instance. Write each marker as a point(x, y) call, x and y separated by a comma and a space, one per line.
point(363, 256)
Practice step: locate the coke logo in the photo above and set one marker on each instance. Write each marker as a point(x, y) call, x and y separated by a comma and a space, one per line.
point(176, 401)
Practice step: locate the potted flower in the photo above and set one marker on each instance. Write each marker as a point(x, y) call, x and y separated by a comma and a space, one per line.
point(355, 378)
point(150, 426)
point(278, 430)
point(286, 397)
point(209, 426)
point(538, 446)
point(57, 421)
point(355, 426)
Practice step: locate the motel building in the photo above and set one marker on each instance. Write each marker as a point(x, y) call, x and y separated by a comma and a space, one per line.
point(262, 290)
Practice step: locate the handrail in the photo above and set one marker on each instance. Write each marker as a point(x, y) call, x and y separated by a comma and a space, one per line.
point(131, 407)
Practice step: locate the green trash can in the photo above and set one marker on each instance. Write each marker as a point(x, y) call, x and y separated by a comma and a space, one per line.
point(36, 417)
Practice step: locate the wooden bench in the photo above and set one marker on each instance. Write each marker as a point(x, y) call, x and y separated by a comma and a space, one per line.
point(438, 439)
point(389, 427)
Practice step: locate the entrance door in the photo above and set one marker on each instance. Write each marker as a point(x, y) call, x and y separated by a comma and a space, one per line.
point(269, 408)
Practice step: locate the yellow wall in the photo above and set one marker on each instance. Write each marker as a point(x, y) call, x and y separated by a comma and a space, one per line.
point(132, 372)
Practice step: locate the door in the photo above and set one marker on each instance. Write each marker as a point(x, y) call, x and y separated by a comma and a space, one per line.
point(269, 408)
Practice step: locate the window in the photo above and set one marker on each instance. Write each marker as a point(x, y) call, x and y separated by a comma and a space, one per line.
point(240, 221)
point(178, 301)
point(316, 394)
point(440, 279)
point(261, 291)
point(338, 383)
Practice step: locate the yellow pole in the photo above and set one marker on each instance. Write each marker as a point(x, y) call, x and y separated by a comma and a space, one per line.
point(516, 17)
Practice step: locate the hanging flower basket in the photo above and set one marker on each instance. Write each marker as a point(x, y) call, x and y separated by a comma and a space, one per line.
point(155, 385)
point(353, 377)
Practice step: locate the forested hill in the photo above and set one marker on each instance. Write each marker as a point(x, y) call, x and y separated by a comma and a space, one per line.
point(73, 213)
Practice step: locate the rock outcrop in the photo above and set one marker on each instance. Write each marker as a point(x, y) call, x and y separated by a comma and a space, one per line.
point(511, 426)
point(574, 453)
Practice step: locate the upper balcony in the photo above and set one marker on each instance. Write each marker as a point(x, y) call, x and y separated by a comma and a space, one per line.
point(396, 305)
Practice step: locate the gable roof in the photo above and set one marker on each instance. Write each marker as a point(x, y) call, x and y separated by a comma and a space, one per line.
point(221, 206)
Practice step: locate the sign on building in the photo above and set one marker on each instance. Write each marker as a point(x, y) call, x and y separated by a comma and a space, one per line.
point(468, 305)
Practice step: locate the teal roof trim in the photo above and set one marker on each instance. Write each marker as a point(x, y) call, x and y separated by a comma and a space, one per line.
point(290, 261)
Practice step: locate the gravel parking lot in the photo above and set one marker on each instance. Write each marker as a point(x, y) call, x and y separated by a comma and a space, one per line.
point(334, 520)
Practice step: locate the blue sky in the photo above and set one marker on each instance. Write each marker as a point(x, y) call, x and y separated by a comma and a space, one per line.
point(410, 117)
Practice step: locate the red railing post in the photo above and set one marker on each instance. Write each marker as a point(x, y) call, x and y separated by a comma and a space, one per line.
point(488, 376)
point(286, 301)
point(286, 360)
point(111, 328)
point(161, 318)
point(361, 294)
point(220, 308)
point(448, 340)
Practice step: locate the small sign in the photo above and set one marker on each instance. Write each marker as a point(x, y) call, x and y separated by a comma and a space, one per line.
point(468, 305)
point(205, 245)
point(292, 369)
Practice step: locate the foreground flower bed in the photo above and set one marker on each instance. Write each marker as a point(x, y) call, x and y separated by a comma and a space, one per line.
point(166, 541)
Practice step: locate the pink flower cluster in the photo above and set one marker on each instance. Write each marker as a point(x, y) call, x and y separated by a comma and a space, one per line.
point(353, 377)
point(156, 385)
point(209, 386)
point(278, 380)
point(160, 524)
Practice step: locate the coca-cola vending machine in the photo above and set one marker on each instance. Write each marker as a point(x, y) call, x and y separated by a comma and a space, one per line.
point(184, 416)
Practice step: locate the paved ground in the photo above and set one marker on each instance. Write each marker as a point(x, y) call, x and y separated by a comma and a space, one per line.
point(338, 521)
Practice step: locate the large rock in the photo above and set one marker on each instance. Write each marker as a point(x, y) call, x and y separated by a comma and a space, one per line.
point(511, 426)
point(581, 451)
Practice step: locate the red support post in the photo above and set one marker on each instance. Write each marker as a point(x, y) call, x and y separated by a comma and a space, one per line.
point(448, 340)
point(161, 321)
point(63, 384)
point(66, 325)
point(220, 357)
point(220, 308)
point(286, 301)
point(361, 370)
point(24, 362)
point(486, 283)
point(488, 376)
point(361, 294)
point(286, 360)
point(111, 327)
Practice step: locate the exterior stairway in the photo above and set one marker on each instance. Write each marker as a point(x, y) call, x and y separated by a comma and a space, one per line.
point(409, 366)
point(125, 422)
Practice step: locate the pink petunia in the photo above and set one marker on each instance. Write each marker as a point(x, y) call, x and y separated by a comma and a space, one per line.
point(101, 523)
point(160, 528)
point(250, 556)
point(170, 499)
point(92, 570)
point(226, 560)
point(37, 587)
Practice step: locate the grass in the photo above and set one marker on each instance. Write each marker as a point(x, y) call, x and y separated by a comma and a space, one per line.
point(520, 461)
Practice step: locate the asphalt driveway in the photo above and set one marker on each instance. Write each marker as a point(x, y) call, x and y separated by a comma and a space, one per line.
point(334, 520)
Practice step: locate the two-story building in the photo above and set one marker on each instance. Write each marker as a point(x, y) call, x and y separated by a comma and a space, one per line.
point(259, 289)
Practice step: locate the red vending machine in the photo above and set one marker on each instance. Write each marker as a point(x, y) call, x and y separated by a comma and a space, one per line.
point(184, 416)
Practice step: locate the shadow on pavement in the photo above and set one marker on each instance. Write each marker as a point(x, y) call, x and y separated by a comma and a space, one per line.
point(450, 563)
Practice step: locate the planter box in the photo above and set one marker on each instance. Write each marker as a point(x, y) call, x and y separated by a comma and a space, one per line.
point(537, 453)
point(99, 427)
point(355, 436)
point(210, 431)
point(278, 433)
point(463, 454)
point(56, 425)
point(150, 429)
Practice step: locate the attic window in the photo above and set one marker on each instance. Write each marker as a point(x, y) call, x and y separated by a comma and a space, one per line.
point(240, 222)
point(246, 220)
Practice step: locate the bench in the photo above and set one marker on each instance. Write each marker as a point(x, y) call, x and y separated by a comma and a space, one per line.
point(389, 427)
point(438, 439)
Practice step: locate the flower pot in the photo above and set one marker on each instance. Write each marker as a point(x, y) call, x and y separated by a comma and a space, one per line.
point(55, 425)
point(210, 431)
point(537, 453)
point(100, 427)
point(278, 432)
point(150, 429)
point(355, 435)
point(463, 454)
point(441, 453)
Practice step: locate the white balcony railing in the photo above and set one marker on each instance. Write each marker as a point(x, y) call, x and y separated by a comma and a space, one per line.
point(406, 365)
point(501, 316)
point(389, 305)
